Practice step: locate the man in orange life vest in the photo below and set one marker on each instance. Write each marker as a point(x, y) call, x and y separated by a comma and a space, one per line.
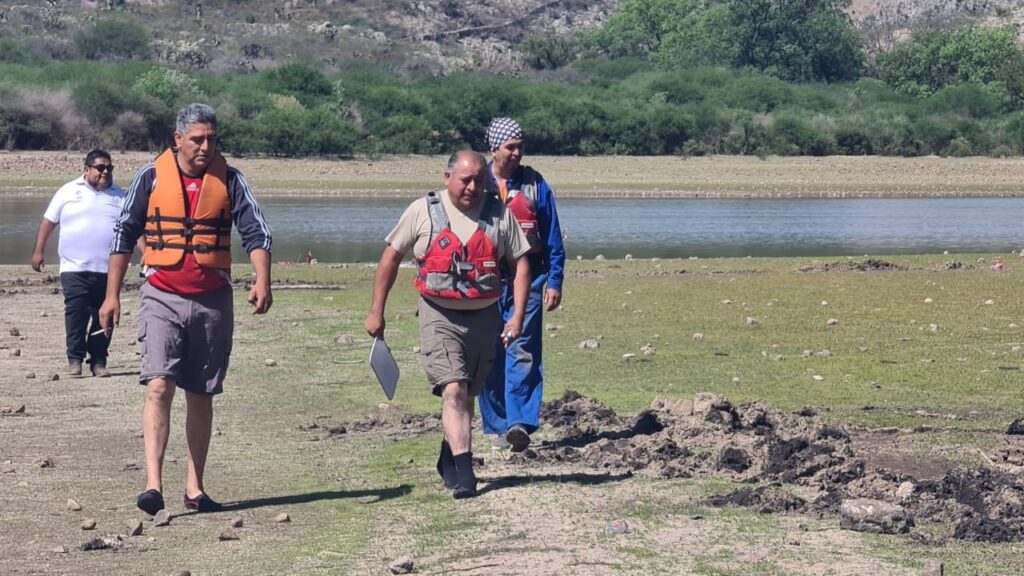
point(458, 238)
point(184, 203)
point(510, 403)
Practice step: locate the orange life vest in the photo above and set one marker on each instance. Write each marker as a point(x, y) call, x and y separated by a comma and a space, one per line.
point(170, 232)
point(522, 202)
point(451, 269)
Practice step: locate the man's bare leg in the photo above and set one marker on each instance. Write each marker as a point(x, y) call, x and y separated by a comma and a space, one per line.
point(457, 421)
point(198, 427)
point(156, 428)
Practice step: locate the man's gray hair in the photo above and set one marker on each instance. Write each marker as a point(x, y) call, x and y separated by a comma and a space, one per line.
point(459, 154)
point(195, 113)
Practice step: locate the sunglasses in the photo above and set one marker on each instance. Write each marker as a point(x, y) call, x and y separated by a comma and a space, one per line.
point(101, 168)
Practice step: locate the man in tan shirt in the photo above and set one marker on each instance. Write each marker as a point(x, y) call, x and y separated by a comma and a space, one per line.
point(457, 237)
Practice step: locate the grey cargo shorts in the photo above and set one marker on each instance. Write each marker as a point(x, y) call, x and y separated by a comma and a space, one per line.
point(186, 339)
point(457, 345)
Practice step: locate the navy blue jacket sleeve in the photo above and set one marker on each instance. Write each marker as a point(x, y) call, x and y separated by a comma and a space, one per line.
point(247, 214)
point(132, 222)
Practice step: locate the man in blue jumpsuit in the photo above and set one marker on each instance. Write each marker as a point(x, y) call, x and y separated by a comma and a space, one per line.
point(510, 403)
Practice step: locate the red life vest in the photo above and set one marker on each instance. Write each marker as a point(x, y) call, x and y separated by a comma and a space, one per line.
point(450, 269)
point(522, 202)
point(170, 232)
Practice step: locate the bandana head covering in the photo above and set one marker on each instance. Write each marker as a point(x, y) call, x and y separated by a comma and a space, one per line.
point(502, 130)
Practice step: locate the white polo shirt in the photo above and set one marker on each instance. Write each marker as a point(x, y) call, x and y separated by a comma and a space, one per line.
point(86, 217)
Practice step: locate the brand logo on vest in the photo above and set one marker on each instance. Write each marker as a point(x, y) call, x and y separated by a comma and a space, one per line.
point(444, 242)
point(193, 187)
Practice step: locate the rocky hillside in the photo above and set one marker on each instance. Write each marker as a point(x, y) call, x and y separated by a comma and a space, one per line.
point(433, 36)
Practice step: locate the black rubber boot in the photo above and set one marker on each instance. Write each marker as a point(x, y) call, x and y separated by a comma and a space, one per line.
point(466, 480)
point(446, 466)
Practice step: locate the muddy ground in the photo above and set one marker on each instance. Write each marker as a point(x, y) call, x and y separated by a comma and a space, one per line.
point(78, 439)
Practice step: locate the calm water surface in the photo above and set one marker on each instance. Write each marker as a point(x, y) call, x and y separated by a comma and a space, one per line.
point(344, 230)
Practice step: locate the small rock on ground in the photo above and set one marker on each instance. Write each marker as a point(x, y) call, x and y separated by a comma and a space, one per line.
point(282, 517)
point(135, 528)
point(404, 565)
point(227, 534)
point(933, 568)
point(88, 524)
point(237, 522)
point(73, 505)
point(270, 362)
point(162, 518)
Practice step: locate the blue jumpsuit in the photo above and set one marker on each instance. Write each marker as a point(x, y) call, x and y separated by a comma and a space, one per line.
point(514, 388)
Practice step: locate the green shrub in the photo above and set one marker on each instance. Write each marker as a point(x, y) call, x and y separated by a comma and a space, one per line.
point(113, 40)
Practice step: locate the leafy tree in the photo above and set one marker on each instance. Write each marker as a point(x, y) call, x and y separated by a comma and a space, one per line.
point(167, 85)
point(113, 40)
point(309, 86)
point(798, 40)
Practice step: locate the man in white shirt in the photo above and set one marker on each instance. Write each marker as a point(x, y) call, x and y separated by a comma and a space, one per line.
point(85, 209)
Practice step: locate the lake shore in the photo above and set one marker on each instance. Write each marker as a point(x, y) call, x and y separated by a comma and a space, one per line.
point(40, 173)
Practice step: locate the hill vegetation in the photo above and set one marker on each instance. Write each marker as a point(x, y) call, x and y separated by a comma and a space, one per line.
point(690, 77)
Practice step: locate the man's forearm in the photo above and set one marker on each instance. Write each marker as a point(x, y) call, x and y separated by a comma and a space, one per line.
point(384, 279)
point(260, 259)
point(521, 287)
point(116, 268)
point(46, 228)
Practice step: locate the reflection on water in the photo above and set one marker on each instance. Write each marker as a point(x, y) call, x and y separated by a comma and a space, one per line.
point(352, 230)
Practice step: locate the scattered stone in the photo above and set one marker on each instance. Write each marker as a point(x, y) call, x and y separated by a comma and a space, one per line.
point(751, 321)
point(793, 539)
point(807, 353)
point(933, 568)
point(227, 534)
point(726, 301)
point(345, 339)
point(270, 362)
point(59, 550)
point(403, 565)
point(818, 378)
point(73, 505)
point(1017, 349)
point(15, 332)
point(990, 302)
point(866, 515)
point(129, 466)
point(779, 357)
point(1016, 427)
point(46, 463)
point(282, 518)
point(22, 484)
point(104, 543)
point(237, 522)
point(55, 377)
point(135, 528)
point(599, 258)
point(832, 322)
point(825, 353)
point(648, 350)
point(824, 302)
point(20, 409)
point(43, 314)
point(88, 524)
point(415, 349)
point(933, 327)
point(16, 352)
point(905, 490)
point(162, 518)
point(616, 527)
point(698, 336)
point(183, 573)
point(590, 344)
point(928, 300)
point(551, 327)
point(30, 376)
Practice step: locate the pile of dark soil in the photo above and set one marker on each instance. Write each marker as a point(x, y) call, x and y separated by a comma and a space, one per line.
point(869, 265)
point(757, 443)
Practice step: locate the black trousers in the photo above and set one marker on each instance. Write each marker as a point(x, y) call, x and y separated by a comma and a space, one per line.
point(83, 295)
